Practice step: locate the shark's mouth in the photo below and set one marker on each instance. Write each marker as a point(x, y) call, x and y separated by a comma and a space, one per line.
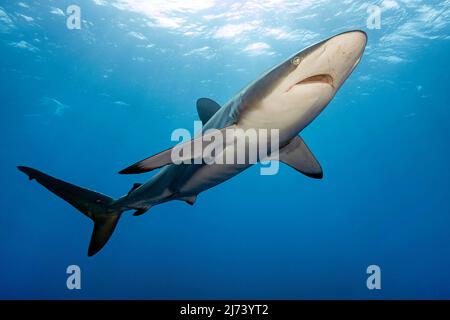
point(319, 78)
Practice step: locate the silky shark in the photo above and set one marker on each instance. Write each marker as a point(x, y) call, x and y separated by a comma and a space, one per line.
point(288, 97)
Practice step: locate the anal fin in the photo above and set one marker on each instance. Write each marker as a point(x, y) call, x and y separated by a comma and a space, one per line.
point(140, 212)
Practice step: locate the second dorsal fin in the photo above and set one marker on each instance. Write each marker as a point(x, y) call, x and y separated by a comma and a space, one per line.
point(206, 108)
point(134, 187)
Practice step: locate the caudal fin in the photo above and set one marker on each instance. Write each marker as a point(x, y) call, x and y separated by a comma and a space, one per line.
point(94, 205)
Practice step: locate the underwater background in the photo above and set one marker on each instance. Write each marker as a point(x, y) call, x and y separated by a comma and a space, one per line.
point(83, 104)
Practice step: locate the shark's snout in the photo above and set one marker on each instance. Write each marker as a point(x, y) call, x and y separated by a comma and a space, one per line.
point(343, 53)
point(352, 41)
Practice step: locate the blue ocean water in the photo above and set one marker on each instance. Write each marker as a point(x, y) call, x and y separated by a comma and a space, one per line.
point(83, 104)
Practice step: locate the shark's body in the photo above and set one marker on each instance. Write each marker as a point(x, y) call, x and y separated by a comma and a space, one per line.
point(287, 98)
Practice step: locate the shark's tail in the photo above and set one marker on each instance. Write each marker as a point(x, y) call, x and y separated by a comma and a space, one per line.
point(94, 205)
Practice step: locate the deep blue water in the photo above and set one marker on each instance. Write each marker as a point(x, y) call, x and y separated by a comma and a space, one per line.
point(83, 104)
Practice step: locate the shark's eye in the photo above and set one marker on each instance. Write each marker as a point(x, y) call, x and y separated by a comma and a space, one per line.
point(296, 61)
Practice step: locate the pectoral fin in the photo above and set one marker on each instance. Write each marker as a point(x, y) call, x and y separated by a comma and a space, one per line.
point(165, 157)
point(298, 156)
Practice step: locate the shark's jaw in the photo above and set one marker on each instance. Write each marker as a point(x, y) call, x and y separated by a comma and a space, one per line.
point(317, 79)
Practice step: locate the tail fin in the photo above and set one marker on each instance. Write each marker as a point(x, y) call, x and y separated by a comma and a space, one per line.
point(93, 204)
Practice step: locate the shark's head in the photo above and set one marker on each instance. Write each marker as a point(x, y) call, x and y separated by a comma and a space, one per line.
point(327, 63)
point(309, 79)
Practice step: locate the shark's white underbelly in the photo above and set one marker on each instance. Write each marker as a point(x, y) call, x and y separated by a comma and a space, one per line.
point(288, 118)
point(287, 114)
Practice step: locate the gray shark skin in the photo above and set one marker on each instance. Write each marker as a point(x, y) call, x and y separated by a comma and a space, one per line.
point(288, 98)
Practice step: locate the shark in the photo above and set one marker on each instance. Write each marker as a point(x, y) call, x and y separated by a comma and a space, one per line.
point(288, 97)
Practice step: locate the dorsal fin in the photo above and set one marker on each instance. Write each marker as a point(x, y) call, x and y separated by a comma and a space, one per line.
point(134, 187)
point(297, 155)
point(206, 108)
